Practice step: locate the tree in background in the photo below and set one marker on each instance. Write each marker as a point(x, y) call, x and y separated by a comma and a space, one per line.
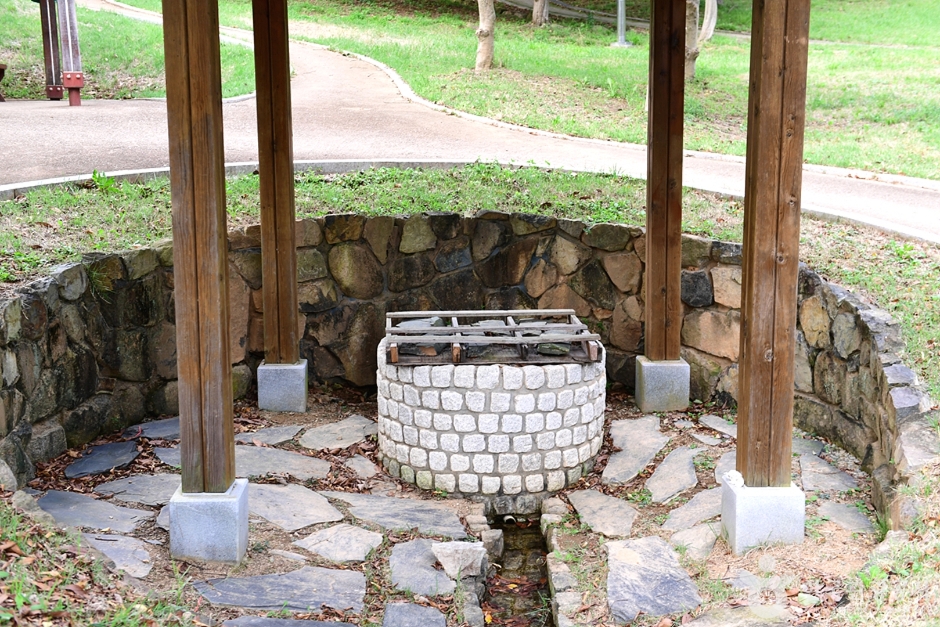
point(709, 21)
point(540, 12)
point(486, 35)
point(691, 37)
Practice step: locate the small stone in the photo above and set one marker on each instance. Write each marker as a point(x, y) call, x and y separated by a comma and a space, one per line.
point(411, 615)
point(290, 507)
point(305, 590)
point(719, 424)
point(814, 322)
point(674, 475)
point(461, 559)
point(153, 490)
point(77, 510)
point(697, 288)
point(494, 543)
point(698, 541)
point(343, 227)
point(645, 576)
point(341, 543)
point(704, 505)
point(847, 516)
point(340, 434)
point(412, 569)
point(127, 554)
point(640, 441)
point(607, 236)
point(604, 514)
point(103, 458)
point(270, 436)
point(361, 466)
point(71, 279)
point(807, 600)
point(818, 475)
point(402, 513)
point(26, 504)
point(625, 270)
point(568, 256)
point(356, 270)
point(696, 251)
point(726, 283)
point(714, 332)
point(378, 232)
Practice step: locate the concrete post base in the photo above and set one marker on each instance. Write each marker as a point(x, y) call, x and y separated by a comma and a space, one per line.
point(662, 385)
point(760, 516)
point(283, 387)
point(208, 527)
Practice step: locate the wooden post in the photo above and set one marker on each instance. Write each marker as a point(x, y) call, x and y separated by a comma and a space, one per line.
point(197, 182)
point(664, 181)
point(50, 49)
point(276, 172)
point(776, 117)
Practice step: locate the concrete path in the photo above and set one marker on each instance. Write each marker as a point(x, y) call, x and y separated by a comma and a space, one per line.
point(345, 107)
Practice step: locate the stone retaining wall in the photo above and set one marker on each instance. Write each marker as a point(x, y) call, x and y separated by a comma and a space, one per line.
point(490, 430)
point(92, 348)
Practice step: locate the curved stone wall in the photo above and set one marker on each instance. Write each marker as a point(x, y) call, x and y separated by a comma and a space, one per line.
point(491, 429)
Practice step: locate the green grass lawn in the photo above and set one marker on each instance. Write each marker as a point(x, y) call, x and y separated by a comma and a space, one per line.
point(872, 108)
point(121, 57)
point(50, 226)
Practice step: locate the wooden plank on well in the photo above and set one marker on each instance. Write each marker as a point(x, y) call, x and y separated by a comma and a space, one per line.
point(776, 121)
point(664, 180)
point(197, 179)
point(276, 178)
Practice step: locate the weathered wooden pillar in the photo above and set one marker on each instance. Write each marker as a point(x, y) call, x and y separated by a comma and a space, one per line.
point(50, 49)
point(662, 377)
point(282, 380)
point(203, 526)
point(761, 505)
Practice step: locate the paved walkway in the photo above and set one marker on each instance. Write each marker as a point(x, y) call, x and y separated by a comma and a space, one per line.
point(345, 107)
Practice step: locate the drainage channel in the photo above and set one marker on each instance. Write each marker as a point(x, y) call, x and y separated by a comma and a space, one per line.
point(517, 595)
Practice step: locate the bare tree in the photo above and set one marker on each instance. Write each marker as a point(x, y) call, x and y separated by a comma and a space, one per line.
point(539, 12)
point(691, 38)
point(486, 35)
point(709, 21)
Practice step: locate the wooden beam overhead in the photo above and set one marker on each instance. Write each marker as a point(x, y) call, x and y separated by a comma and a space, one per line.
point(197, 182)
point(664, 180)
point(776, 119)
point(276, 172)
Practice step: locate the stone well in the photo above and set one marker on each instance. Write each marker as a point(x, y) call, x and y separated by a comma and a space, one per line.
point(490, 430)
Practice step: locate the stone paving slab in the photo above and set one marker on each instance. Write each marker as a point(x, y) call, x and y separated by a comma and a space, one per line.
point(270, 436)
point(819, 475)
point(128, 554)
point(604, 514)
point(698, 541)
point(290, 507)
point(674, 475)
point(103, 458)
point(412, 568)
point(719, 424)
point(166, 429)
point(361, 466)
point(847, 516)
point(257, 461)
point(395, 513)
point(725, 464)
point(307, 589)
point(153, 490)
point(341, 543)
point(802, 446)
point(265, 621)
point(748, 616)
point(77, 510)
point(339, 434)
point(411, 615)
point(640, 441)
point(704, 505)
point(707, 440)
point(645, 576)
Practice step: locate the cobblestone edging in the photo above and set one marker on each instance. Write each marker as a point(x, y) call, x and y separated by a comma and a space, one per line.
point(490, 430)
point(566, 598)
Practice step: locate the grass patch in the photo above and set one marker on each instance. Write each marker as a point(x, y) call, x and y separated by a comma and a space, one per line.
point(873, 108)
point(121, 57)
point(50, 226)
point(45, 579)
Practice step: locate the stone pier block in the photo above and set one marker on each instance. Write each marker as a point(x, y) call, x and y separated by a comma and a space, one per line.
point(207, 527)
point(283, 387)
point(760, 516)
point(662, 385)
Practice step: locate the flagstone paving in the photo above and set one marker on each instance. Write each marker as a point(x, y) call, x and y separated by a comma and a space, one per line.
point(308, 589)
point(271, 436)
point(341, 543)
point(604, 514)
point(100, 459)
point(819, 476)
point(704, 505)
point(698, 540)
point(639, 441)
point(395, 513)
point(128, 554)
point(166, 429)
point(412, 567)
point(151, 490)
point(674, 475)
point(719, 424)
point(77, 510)
point(339, 434)
point(847, 516)
point(290, 507)
point(258, 461)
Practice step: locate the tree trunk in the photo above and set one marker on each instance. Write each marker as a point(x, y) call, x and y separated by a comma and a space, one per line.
point(486, 35)
point(691, 38)
point(540, 13)
point(709, 21)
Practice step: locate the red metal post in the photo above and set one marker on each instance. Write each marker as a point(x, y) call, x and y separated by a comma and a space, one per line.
point(72, 77)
